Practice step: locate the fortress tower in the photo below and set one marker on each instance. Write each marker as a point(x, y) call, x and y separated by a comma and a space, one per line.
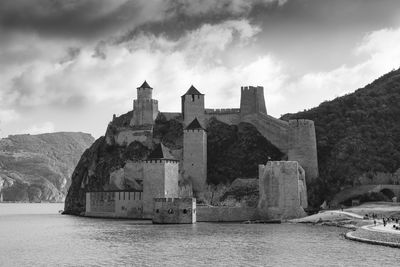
point(160, 178)
point(303, 146)
point(145, 108)
point(252, 100)
point(192, 106)
point(195, 155)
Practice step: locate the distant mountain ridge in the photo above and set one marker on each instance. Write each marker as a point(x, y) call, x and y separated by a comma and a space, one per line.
point(358, 137)
point(38, 167)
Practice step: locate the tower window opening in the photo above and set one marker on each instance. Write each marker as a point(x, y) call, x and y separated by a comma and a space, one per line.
point(192, 98)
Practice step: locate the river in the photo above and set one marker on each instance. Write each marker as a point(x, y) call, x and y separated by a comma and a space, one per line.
point(37, 235)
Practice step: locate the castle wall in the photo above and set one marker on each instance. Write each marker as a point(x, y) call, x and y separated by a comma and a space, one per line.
point(160, 180)
point(276, 131)
point(228, 116)
point(129, 205)
point(252, 100)
point(226, 214)
point(279, 190)
point(145, 111)
point(303, 146)
point(127, 136)
point(171, 179)
point(113, 204)
point(174, 210)
point(193, 107)
point(195, 158)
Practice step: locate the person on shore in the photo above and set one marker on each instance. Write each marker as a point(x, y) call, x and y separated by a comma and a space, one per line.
point(374, 222)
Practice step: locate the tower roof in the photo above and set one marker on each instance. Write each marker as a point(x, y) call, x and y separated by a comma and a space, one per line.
point(194, 125)
point(145, 85)
point(193, 91)
point(161, 152)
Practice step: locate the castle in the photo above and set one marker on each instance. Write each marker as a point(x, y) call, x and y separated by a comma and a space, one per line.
point(160, 173)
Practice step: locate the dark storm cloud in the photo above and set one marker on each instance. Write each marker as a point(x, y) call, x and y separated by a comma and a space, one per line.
point(87, 19)
point(84, 19)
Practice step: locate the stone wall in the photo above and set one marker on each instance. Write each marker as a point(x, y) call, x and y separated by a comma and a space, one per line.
point(114, 204)
point(279, 190)
point(174, 210)
point(145, 111)
point(195, 158)
point(226, 214)
point(303, 146)
point(160, 180)
point(228, 116)
point(276, 131)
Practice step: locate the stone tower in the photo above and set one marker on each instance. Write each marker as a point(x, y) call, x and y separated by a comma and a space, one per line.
point(195, 155)
point(283, 193)
point(252, 100)
point(192, 106)
point(145, 108)
point(303, 146)
point(160, 178)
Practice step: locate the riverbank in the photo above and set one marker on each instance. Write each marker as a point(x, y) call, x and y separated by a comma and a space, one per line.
point(365, 230)
point(376, 235)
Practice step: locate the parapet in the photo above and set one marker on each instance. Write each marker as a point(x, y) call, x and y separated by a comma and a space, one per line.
point(248, 88)
point(222, 111)
point(141, 100)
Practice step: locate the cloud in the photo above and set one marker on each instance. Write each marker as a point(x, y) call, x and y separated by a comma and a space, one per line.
point(381, 54)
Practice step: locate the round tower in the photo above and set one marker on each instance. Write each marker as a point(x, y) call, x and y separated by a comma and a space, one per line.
point(193, 106)
point(303, 146)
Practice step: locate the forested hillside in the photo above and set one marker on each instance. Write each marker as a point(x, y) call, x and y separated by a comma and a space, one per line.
point(358, 136)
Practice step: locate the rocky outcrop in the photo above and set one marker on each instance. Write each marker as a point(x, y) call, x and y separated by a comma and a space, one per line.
point(38, 167)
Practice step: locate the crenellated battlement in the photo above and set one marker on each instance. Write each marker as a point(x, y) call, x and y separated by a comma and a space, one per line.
point(222, 111)
point(158, 161)
point(251, 88)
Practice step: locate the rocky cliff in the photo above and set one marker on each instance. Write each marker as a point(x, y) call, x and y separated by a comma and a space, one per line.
point(38, 167)
point(233, 151)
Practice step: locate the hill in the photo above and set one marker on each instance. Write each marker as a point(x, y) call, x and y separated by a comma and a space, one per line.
point(358, 137)
point(233, 151)
point(38, 167)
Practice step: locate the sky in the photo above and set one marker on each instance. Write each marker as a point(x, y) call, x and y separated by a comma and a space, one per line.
point(69, 65)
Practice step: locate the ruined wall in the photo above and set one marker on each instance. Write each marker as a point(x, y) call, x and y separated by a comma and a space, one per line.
point(195, 158)
point(226, 214)
point(174, 210)
point(279, 190)
point(252, 100)
point(303, 146)
point(193, 107)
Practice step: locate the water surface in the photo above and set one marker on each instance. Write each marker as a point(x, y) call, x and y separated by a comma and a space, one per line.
point(36, 235)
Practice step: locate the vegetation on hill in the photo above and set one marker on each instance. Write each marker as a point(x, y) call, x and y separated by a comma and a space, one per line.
point(358, 135)
point(38, 167)
point(236, 151)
